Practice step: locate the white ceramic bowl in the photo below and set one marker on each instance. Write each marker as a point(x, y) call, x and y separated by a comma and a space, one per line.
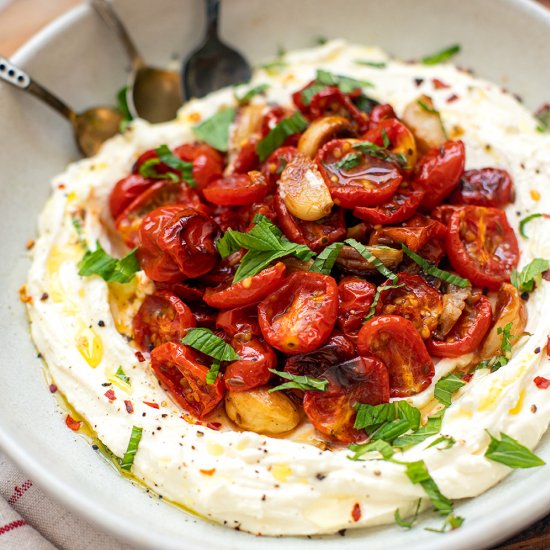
point(503, 40)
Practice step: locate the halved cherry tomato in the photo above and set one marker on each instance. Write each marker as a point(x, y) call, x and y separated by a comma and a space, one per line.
point(401, 141)
point(236, 189)
point(127, 190)
point(207, 162)
point(247, 158)
point(178, 368)
point(380, 113)
point(187, 292)
point(159, 194)
point(482, 246)
point(160, 168)
point(205, 316)
point(439, 171)
point(396, 342)
point(316, 235)
point(300, 315)
point(252, 369)
point(248, 291)
point(399, 208)
point(314, 363)
point(415, 300)
point(443, 213)
point(467, 333)
point(355, 297)
point(331, 101)
point(224, 273)
point(239, 320)
point(485, 187)
point(370, 183)
point(176, 242)
point(162, 318)
point(276, 163)
point(361, 380)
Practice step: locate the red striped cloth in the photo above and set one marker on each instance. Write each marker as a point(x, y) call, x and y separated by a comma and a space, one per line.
point(29, 520)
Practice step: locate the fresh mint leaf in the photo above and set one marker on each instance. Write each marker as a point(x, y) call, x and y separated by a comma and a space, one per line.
point(511, 453)
point(149, 169)
point(448, 441)
point(185, 168)
point(351, 160)
point(108, 268)
point(122, 376)
point(215, 130)
point(377, 295)
point(432, 427)
point(531, 275)
point(252, 93)
point(306, 383)
point(445, 387)
point(441, 56)
point(287, 127)
point(122, 106)
point(407, 524)
point(373, 64)
point(381, 153)
point(127, 460)
point(326, 259)
point(370, 257)
point(451, 522)
point(379, 446)
point(346, 84)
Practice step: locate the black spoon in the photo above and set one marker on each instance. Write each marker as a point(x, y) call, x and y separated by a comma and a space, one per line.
point(213, 65)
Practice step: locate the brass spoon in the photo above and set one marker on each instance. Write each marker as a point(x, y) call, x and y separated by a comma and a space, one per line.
point(91, 128)
point(153, 94)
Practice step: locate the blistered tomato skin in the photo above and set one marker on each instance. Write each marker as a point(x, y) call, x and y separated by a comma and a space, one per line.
point(482, 246)
point(161, 318)
point(402, 206)
point(299, 316)
point(125, 191)
point(396, 342)
point(236, 189)
point(180, 371)
point(207, 162)
point(355, 299)
point(485, 187)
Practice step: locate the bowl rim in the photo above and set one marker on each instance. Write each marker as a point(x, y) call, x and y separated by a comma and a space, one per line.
point(506, 522)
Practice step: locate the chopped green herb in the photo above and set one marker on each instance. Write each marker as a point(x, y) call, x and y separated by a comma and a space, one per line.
point(530, 276)
point(499, 361)
point(373, 416)
point(351, 160)
point(321, 40)
point(407, 524)
point(381, 153)
point(418, 474)
point(299, 382)
point(385, 138)
point(391, 431)
point(185, 168)
point(149, 169)
point(273, 67)
point(344, 83)
point(448, 441)
point(433, 270)
point(451, 522)
point(373, 64)
point(127, 460)
point(432, 427)
point(525, 221)
point(370, 257)
point(205, 341)
point(294, 124)
point(122, 106)
point(376, 299)
point(108, 268)
point(445, 387)
point(326, 259)
point(427, 108)
point(442, 55)
point(543, 116)
point(250, 94)
point(379, 446)
point(77, 224)
point(511, 453)
point(215, 130)
point(265, 243)
point(308, 93)
point(122, 376)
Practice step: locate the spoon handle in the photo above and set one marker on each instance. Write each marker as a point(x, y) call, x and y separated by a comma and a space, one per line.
point(106, 11)
point(212, 17)
point(20, 79)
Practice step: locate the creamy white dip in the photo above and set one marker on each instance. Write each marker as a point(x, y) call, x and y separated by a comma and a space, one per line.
point(242, 479)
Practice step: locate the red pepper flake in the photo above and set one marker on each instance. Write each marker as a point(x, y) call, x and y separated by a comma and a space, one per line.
point(72, 424)
point(356, 512)
point(53, 388)
point(29, 245)
point(110, 395)
point(467, 377)
point(152, 405)
point(23, 296)
point(208, 472)
point(439, 84)
point(214, 425)
point(139, 356)
point(61, 186)
point(129, 407)
point(451, 98)
point(542, 383)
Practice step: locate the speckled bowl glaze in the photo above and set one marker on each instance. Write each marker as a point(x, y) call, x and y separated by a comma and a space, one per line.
point(503, 40)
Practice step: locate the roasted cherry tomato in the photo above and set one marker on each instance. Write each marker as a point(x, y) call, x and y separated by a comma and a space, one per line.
point(316, 235)
point(205, 316)
point(443, 213)
point(355, 300)
point(207, 162)
point(276, 163)
point(239, 320)
point(396, 342)
point(160, 167)
point(467, 333)
point(438, 172)
point(162, 193)
point(331, 101)
point(187, 292)
point(361, 380)
point(252, 369)
point(162, 318)
point(485, 187)
point(400, 138)
point(178, 368)
point(314, 363)
point(399, 208)
point(236, 189)
point(366, 181)
point(176, 242)
point(248, 291)
point(414, 300)
point(247, 158)
point(127, 190)
point(300, 315)
point(380, 113)
point(482, 246)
